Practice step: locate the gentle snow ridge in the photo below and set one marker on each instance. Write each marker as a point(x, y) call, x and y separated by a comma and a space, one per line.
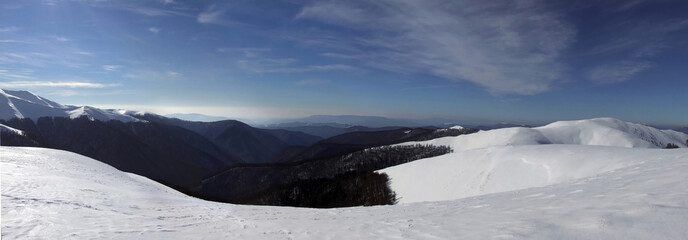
point(51, 194)
point(518, 158)
point(598, 131)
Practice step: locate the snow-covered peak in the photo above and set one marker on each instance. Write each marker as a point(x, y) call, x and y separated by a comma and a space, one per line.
point(100, 114)
point(457, 127)
point(610, 132)
point(518, 158)
point(598, 131)
point(31, 97)
point(132, 113)
point(24, 104)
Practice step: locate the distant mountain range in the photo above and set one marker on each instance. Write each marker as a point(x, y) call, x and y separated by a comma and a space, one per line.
point(196, 117)
point(231, 161)
point(174, 152)
point(178, 153)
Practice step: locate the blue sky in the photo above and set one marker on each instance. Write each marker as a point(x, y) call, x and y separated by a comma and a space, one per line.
point(476, 61)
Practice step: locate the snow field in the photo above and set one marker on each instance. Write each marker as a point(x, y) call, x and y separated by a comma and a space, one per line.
point(51, 194)
point(518, 158)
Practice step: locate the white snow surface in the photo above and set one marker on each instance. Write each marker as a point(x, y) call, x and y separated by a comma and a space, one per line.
point(518, 158)
point(25, 104)
point(598, 131)
point(598, 178)
point(52, 194)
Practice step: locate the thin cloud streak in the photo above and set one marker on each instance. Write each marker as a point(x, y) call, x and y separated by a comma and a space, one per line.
point(617, 72)
point(286, 65)
point(8, 29)
point(154, 30)
point(636, 44)
point(247, 52)
point(33, 84)
point(212, 15)
point(111, 67)
point(312, 82)
point(511, 48)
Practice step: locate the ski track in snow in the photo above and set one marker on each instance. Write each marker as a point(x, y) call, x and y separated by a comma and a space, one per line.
point(51, 194)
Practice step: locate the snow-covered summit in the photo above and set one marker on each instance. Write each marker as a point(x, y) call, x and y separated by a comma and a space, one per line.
point(25, 104)
point(610, 132)
point(598, 131)
point(518, 158)
point(100, 114)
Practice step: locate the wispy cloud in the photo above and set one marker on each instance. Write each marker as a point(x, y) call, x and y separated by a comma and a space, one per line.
point(15, 75)
point(10, 6)
point(627, 4)
point(73, 92)
point(154, 30)
point(637, 40)
point(247, 52)
point(41, 59)
point(342, 56)
point(211, 15)
point(507, 47)
point(637, 44)
point(85, 53)
point(153, 75)
point(312, 82)
point(617, 72)
point(26, 78)
point(286, 65)
point(156, 12)
point(15, 41)
point(111, 67)
point(30, 84)
point(8, 29)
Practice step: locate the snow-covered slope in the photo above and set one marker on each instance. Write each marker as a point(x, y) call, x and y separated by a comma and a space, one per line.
point(50, 194)
point(598, 131)
point(519, 158)
point(24, 104)
point(610, 132)
point(4, 128)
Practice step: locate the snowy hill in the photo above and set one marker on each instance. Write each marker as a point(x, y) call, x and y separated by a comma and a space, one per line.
point(598, 131)
point(51, 194)
point(519, 158)
point(24, 104)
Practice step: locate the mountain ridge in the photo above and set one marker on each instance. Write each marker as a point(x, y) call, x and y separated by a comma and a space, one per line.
point(25, 104)
point(486, 161)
